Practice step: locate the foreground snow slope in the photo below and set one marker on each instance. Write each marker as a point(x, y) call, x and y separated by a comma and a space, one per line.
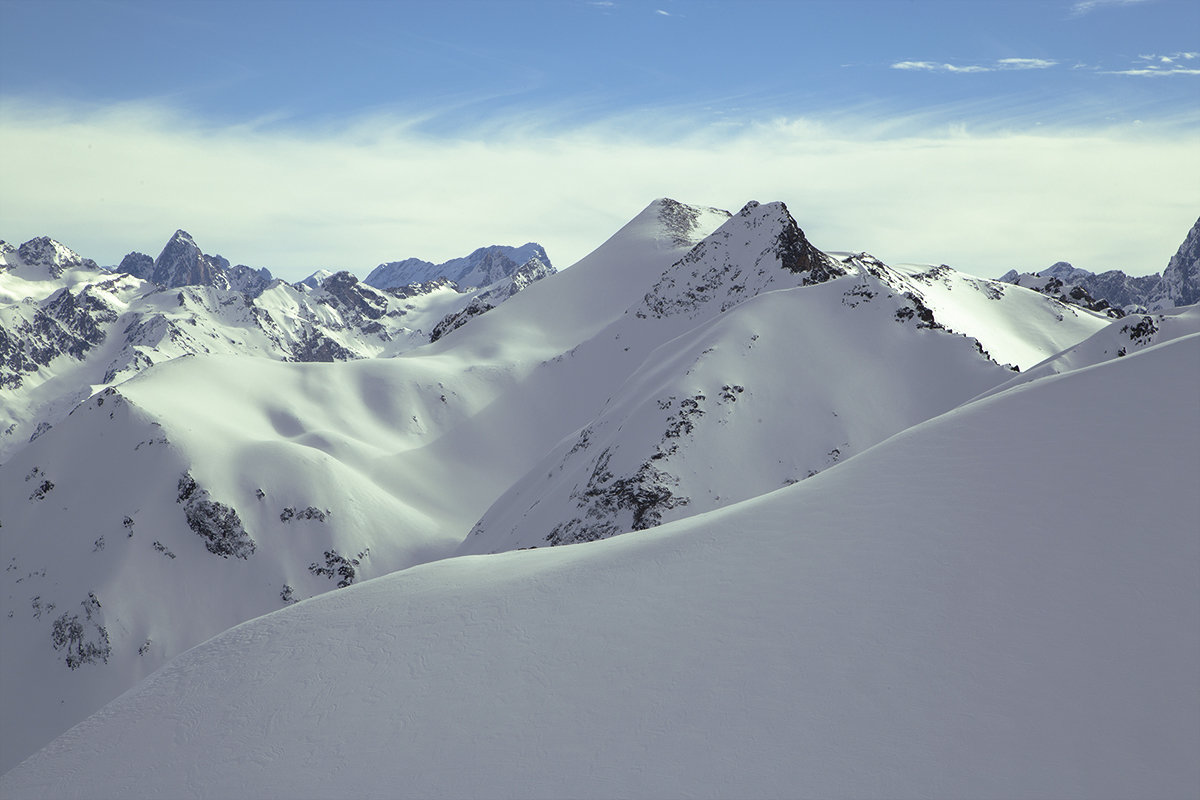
point(324, 472)
point(996, 602)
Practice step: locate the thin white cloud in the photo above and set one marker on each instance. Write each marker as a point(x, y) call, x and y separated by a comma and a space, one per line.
point(1082, 7)
point(1026, 63)
point(110, 181)
point(1154, 65)
point(995, 66)
point(934, 66)
point(1152, 72)
point(660, 12)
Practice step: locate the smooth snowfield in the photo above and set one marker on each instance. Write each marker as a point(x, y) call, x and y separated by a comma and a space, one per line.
point(997, 602)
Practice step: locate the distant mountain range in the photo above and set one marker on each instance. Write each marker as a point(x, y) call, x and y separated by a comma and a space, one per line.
point(1116, 293)
point(819, 507)
point(69, 327)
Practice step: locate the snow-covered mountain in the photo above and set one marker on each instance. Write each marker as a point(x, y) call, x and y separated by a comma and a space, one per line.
point(752, 321)
point(483, 267)
point(998, 601)
point(1114, 292)
point(69, 327)
point(707, 374)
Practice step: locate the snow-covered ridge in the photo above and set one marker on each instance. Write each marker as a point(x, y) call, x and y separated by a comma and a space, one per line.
point(694, 365)
point(925, 618)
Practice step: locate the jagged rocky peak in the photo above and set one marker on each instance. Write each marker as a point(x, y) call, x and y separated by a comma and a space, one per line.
point(248, 280)
point(1180, 284)
point(758, 248)
point(139, 265)
point(53, 256)
point(483, 267)
point(681, 221)
point(346, 289)
point(182, 263)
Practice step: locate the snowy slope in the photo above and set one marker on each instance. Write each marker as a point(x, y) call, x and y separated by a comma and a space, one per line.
point(925, 619)
point(402, 456)
point(751, 374)
point(756, 361)
point(1118, 339)
point(1014, 324)
point(69, 328)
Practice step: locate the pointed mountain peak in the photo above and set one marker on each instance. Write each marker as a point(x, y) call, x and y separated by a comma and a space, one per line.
point(181, 263)
point(759, 247)
point(684, 224)
point(52, 255)
point(139, 265)
point(1181, 279)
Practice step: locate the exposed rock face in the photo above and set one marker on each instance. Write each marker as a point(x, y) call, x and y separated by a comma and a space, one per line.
point(1114, 291)
point(218, 524)
point(682, 220)
point(532, 270)
point(52, 256)
point(485, 266)
point(1061, 289)
point(248, 280)
point(181, 263)
point(358, 297)
point(1180, 284)
point(719, 270)
point(66, 323)
point(139, 265)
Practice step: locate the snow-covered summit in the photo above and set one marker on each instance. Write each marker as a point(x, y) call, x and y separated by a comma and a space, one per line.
point(758, 248)
point(483, 267)
point(221, 479)
point(314, 280)
point(45, 255)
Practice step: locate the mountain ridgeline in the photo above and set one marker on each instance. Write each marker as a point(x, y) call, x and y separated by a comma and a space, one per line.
point(1115, 293)
point(728, 424)
point(69, 327)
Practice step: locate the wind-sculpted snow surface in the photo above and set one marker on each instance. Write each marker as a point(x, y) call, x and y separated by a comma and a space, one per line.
point(223, 479)
point(1117, 340)
point(334, 473)
point(926, 619)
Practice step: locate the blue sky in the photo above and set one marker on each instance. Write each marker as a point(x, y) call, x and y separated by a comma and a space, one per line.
point(298, 135)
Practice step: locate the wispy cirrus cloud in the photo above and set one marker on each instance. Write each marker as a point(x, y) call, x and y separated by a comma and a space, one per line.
point(1082, 7)
point(1156, 66)
point(934, 66)
point(1000, 65)
point(1025, 63)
